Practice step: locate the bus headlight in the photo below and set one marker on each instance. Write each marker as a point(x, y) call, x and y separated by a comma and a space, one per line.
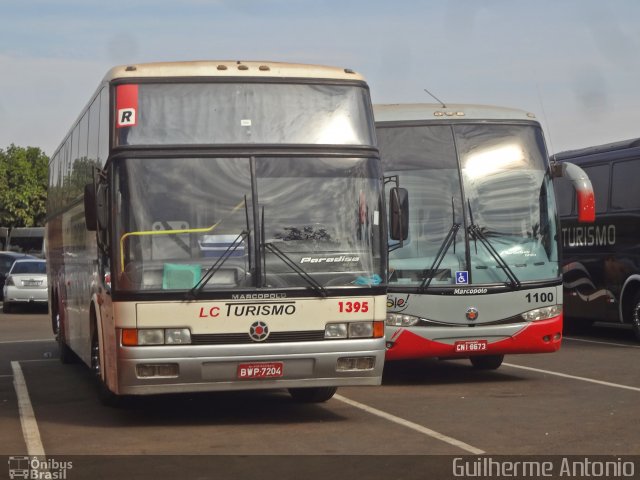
point(132, 337)
point(335, 330)
point(177, 336)
point(148, 336)
point(361, 330)
point(354, 330)
point(400, 320)
point(542, 313)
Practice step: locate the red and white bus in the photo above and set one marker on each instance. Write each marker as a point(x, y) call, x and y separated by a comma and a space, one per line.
point(478, 275)
point(218, 226)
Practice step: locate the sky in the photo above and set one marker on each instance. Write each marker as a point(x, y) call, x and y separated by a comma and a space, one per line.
point(575, 64)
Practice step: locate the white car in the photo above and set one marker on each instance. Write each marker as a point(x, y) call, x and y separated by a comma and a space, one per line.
point(25, 284)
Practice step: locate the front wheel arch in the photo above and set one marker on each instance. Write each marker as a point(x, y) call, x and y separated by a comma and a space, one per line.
point(634, 317)
point(629, 291)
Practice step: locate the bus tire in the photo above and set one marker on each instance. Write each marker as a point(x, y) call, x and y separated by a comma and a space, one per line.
point(57, 323)
point(106, 396)
point(6, 307)
point(635, 316)
point(312, 395)
point(66, 354)
point(487, 362)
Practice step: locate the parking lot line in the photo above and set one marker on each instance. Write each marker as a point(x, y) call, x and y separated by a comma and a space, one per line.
point(411, 425)
point(573, 377)
point(29, 341)
point(600, 343)
point(27, 417)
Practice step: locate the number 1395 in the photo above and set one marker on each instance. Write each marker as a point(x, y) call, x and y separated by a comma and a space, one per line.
point(353, 307)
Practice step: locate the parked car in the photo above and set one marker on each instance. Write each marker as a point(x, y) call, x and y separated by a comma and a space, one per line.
point(6, 262)
point(26, 283)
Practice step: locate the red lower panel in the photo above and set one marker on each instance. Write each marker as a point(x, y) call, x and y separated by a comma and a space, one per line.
point(530, 339)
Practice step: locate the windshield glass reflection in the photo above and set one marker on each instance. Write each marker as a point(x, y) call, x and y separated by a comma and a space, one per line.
point(250, 113)
point(506, 189)
point(491, 177)
point(324, 214)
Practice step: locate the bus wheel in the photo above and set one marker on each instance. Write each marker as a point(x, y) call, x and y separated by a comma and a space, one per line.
point(487, 362)
point(312, 395)
point(635, 316)
point(106, 396)
point(66, 354)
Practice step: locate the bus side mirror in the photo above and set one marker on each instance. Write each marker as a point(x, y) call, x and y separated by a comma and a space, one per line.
point(101, 206)
point(90, 207)
point(399, 214)
point(586, 203)
point(556, 170)
point(95, 207)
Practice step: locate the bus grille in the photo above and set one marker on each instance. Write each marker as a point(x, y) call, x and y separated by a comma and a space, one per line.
point(240, 338)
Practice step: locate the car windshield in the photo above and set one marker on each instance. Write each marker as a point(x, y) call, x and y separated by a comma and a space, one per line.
point(29, 267)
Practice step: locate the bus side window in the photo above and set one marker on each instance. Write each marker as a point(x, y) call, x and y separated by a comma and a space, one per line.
point(624, 176)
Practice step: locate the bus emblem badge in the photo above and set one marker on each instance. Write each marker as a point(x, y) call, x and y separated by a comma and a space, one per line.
point(472, 314)
point(259, 331)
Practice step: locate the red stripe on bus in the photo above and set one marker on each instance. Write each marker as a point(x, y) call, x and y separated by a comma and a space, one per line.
point(126, 102)
point(544, 336)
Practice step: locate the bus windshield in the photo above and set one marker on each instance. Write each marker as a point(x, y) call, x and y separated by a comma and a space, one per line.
point(248, 113)
point(491, 181)
point(178, 217)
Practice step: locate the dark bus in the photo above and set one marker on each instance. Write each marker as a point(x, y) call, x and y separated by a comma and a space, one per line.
point(601, 265)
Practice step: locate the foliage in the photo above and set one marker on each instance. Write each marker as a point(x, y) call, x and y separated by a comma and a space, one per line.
point(23, 186)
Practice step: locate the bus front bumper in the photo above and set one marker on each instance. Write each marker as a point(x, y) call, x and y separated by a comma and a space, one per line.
point(544, 336)
point(201, 368)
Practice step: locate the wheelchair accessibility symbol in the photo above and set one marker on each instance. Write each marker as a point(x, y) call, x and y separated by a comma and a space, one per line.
point(462, 278)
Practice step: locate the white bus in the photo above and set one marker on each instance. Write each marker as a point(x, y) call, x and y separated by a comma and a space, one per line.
point(217, 226)
point(29, 240)
point(478, 275)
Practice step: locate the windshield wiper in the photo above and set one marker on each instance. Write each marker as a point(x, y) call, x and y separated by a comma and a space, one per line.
point(442, 251)
point(426, 281)
point(477, 233)
point(296, 268)
point(213, 269)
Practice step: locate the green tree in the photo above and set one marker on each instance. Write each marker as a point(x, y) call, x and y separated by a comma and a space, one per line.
point(23, 186)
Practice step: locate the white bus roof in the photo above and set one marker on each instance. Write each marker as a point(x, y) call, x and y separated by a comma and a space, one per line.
point(400, 112)
point(230, 68)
